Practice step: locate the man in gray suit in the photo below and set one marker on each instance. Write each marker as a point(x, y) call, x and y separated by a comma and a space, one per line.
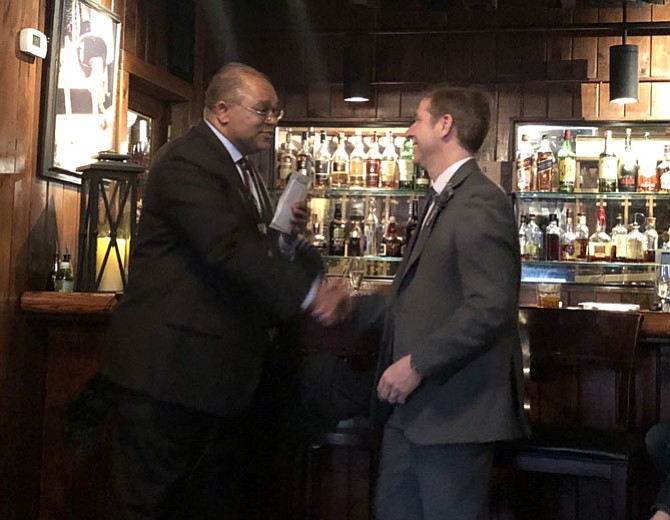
point(208, 281)
point(450, 362)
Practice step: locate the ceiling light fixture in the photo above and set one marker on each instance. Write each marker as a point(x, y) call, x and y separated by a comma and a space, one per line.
point(624, 69)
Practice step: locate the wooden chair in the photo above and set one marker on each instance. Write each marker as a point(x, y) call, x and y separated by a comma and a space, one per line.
point(579, 367)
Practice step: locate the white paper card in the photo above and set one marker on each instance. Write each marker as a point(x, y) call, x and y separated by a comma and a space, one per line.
point(296, 191)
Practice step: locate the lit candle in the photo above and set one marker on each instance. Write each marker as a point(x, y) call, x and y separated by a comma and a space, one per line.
point(111, 279)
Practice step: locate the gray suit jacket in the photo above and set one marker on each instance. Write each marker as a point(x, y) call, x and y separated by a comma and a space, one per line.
point(205, 284)
point(454, 306)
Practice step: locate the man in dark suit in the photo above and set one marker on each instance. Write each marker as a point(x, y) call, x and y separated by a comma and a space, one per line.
point(208, 282)
point(450, 363)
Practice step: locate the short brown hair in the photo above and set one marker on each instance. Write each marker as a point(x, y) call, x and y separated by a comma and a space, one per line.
point(228, 83)
point(468, 106)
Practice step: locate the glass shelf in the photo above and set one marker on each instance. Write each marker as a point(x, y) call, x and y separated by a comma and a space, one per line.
point(598, 273)
point(362, 192)
point(587, 195)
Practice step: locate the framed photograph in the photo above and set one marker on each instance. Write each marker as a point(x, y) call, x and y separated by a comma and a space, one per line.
point(79, 87)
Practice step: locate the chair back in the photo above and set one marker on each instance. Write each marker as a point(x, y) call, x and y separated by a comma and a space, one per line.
point(579, 366)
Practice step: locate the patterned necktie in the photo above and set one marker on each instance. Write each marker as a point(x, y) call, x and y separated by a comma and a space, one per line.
point(254, 190)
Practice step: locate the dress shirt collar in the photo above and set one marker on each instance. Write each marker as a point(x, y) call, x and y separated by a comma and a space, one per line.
point(235, 154)
point(447, 174)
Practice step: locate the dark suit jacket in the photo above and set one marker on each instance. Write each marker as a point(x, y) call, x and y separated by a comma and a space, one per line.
point(205, 284)
point(454, 306)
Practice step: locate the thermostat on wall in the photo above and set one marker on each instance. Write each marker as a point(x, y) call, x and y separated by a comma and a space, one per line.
point(33, 42)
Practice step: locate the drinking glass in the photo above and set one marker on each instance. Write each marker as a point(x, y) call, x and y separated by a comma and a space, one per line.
point(663, 286)
point(356, 272)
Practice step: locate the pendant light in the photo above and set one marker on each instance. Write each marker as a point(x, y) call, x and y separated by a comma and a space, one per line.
point(357, 65)
point(624, 69)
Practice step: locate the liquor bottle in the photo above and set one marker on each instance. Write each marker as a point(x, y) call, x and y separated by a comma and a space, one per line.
point(619, 240)
point(568, 239)
point(567, 165)
point(304, 164)
point(607, 166)
point(373, 164)
point(663, 171)
point(337, 232)
point(322, 163)
point(523, 231)
point(600, 243)
point(628, 167)
point(318, 239)
point(286, 160)
point(553, 239)
point(534, 239)
point(355, 237)
point(636, 242)
point(581, 239)
point(389, 164)
point(412, 222)
point(651, 240)
point(525, 162)
point(422, 179)
point(545, 174)
point(53, 272)
point(357, 163)
point(370, 225)
point(339, 175)
point(64, 279)
point(646, 176)
point(406, 166)
point(392, 245)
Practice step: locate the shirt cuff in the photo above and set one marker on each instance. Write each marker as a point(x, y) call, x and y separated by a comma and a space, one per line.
point(311, 294)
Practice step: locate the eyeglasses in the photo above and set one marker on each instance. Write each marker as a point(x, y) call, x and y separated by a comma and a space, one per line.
point(264, 114)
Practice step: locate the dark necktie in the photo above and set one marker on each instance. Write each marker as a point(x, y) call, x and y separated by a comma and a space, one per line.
point(254, 188)
point(425, 205)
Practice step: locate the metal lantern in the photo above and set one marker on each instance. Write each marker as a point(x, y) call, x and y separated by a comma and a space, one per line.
point(107, 222)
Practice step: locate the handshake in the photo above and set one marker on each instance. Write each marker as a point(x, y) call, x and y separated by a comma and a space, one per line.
point(333, 303)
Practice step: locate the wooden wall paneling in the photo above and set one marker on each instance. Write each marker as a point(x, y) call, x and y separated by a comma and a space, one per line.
point(521, 56)
point(660, 13)
point(141, 30)
point(398, 58)
point(332, 56)
point(660, 56)
point(388, 102)
point(641, 109)
point(509, 107)
point(590, 107)
point(319, 101)
point(586, 49)
point(285, 62)
point(340, 108)
point(154, 31)
point(122, 112)
point(534, 100)
point(660, 94)
point(489, 151)
point(644, 54)
point(606, 109)
point(295, 101)
point(129, 27)
point(564, 101)
point(409, 101)
point(604, 44)
point(483, 67)
point(459, 55)
point(434, 61)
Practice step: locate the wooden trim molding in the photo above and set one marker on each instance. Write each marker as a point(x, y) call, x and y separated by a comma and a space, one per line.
point(161, 83)
point(43, 302)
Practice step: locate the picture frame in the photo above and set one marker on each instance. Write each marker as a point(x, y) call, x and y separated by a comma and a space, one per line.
point(80, 82)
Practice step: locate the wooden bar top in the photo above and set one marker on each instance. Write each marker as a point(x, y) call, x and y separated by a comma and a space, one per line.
point(655, 324)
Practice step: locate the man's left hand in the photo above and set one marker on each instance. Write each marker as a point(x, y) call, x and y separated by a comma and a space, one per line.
point(398, 381)
point(300, 217)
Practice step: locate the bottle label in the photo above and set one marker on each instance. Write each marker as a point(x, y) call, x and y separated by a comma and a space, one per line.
point(567, 171)
point(405, 170)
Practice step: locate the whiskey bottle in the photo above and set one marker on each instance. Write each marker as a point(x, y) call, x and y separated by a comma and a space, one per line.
point(663, 171)
point(600, 243)
point(523, 232)
point(635, 242)
point(355, 237)
point(646, 175)
point(389, 164)
point(64, 279)
point(545, 175)
point(525, 162)
point(53, 272)
point(318, 239)
point(373, 163)
point(651, 239)
point(339, 175)
point(286, 160)
point(619, 240)
point(628, 167)
point(322, 163)
point(568, 239)
point(406, 166)
point(607, 166)
point(370, 226)
point(553, 239)
point(534, 239)
point(392, 243)
point(337, 232)
point(422, 179)
point(357, 163)
point(581, 239)
point(304, 164)
point(567, 165)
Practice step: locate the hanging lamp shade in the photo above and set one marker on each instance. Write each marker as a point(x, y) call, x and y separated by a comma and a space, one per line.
point(624, 73)
point(357, 69)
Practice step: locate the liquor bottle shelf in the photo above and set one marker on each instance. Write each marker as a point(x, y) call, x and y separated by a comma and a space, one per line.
point(331, 193)
point(588, 195)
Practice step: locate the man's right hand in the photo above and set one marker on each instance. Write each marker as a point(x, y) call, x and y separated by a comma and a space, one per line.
point(332, 303)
